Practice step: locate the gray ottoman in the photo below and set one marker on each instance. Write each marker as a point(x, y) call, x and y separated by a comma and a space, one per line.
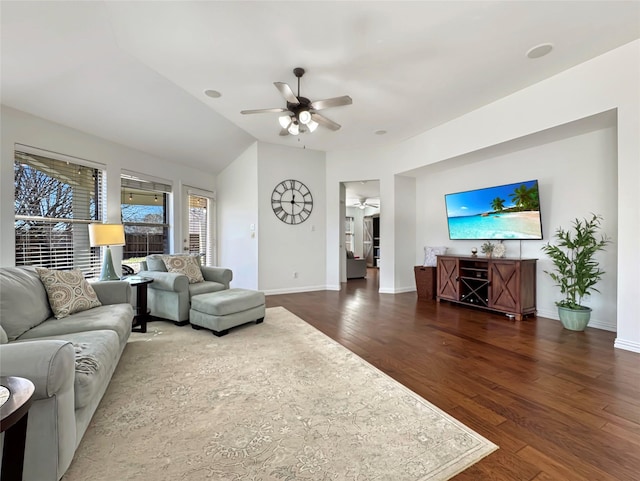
point(222, 310)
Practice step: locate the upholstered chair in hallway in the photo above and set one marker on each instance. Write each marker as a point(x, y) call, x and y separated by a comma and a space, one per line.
point(356, 268)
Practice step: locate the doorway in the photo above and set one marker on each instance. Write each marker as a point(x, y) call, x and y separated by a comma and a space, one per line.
point(362, 221)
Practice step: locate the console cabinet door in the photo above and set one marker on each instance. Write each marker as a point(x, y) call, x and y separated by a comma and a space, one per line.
point(448, 278)
point(504, 291)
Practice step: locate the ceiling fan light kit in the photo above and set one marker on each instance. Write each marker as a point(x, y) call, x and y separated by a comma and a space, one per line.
point(301, 113)
point(294, 128)
point(285, 121)
point(304, 117)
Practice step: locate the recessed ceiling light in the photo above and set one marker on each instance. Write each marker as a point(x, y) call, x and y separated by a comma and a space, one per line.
point(539, 50)
point(214, 94)
point(380, 132)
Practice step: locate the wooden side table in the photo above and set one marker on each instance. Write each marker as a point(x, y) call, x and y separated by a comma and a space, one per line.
point(142, 312)
point(16, 395)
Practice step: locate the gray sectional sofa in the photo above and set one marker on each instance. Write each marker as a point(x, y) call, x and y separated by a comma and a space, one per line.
point(69, 360)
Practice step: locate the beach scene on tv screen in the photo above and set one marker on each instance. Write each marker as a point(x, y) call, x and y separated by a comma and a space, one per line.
point(509, 211)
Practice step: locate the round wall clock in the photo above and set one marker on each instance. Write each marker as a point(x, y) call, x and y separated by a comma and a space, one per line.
point(291, 201)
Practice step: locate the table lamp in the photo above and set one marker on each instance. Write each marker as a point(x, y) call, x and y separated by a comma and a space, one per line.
point(106, 235)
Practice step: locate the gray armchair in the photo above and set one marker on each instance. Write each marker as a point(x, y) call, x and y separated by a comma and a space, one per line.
point(356, 268)
point(169, 295)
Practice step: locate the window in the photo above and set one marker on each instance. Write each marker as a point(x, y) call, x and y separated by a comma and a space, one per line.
point(200, 220)
point(348, 234)
point(54, 201)
point(145, 218)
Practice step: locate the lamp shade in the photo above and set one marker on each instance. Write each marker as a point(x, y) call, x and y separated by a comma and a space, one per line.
point(106, 235)
point(294, 128)
point(304, 117)
point(284, 121)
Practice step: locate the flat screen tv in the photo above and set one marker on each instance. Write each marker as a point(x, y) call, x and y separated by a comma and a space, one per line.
point(509, 211)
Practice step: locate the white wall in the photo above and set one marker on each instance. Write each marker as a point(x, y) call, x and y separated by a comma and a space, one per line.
point(22, 128)
point(238, 222)
point(405, 226)
point(287, 249)
point(599, 85)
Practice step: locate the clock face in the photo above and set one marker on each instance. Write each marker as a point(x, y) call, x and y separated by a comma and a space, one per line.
point(291, 201)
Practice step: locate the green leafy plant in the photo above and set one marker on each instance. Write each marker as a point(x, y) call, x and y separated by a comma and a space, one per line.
point(576, 270)
point(487, 247)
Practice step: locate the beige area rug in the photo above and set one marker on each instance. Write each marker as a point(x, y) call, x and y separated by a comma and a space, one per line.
point(273, 401)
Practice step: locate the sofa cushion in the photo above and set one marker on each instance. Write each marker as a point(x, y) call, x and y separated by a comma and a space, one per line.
point(96, 354)
point(204, 287)
point(23, 300)
point(186, 265)
point(68, 291)
point(229, 301)
point(114, 317)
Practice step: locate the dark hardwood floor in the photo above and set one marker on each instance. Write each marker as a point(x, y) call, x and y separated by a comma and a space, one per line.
point(561, 405)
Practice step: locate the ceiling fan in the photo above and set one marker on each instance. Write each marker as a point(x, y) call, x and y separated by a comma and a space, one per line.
point(362, 203)
point(301, 114)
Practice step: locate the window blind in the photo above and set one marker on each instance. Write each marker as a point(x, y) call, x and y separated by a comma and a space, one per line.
point(53, 203)
point(199, 242)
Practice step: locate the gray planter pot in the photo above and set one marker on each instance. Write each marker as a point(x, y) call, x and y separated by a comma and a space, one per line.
point(574, 319)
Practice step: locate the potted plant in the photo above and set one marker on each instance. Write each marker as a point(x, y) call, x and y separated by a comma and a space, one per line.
point(487, 248)
point(576, 269)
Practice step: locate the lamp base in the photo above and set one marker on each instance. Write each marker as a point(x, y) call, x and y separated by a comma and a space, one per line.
point(108, 272)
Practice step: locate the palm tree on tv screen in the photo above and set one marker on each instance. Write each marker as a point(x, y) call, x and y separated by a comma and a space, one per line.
point(525, 198)
point(497, 204)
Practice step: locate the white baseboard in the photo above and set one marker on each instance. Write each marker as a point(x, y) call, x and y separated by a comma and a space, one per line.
point(627, 345)
point(399, 290)
point(549, 314)
point(605, 326)
point(296, 290)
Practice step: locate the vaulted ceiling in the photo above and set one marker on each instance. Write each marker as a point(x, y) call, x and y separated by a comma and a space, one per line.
point(135, 72)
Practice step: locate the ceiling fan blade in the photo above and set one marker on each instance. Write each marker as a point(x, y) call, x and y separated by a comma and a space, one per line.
point(262, 111)
point(286, 92)
point(284, 132)
point(322, 120)
point(333, 102)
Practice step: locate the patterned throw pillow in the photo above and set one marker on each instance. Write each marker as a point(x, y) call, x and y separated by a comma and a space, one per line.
point(68, 291)
point(187, 265)
point(430, 253)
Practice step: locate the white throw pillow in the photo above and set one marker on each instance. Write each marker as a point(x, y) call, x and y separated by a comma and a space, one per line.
point(430, 253)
